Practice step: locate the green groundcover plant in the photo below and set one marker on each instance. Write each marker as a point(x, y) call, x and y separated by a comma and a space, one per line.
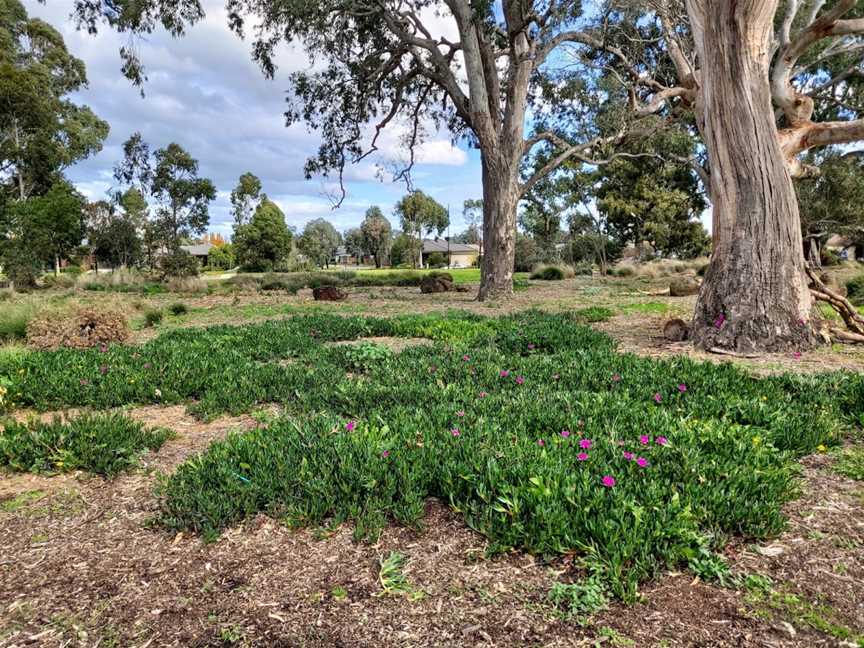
point(533, 427)
point(104, 444)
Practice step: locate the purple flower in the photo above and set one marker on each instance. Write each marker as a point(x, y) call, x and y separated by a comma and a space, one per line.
point(797, 355)
point(385, 454)
point(682, 388)
point(103, 369)
point(609, 481)
point(586, 444)
point(350, 425)
point(628, 456)
point(147, 365)
point(616, 378)
point(503, 373)
point(466, 358)
point(720, 321)
point(565, 433)
point(455, 432)
point(541, 442)
point(103, 348)
point(644, 439)
point(83, 382)
point(531, 347)
point(801, 322)
point(482, 395)
point(520, 380)
point(582, 456)
point(661, 440)
point(460, 413)
point(658, 398)
point(642, 462)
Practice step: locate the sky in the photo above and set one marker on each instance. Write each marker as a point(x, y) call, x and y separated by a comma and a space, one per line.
point(205, 93)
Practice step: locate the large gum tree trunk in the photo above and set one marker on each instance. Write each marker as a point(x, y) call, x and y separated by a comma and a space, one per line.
point(755, 296)
point(500, 199)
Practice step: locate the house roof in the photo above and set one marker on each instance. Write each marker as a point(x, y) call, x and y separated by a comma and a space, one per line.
point(440, 245)
point(201, 249)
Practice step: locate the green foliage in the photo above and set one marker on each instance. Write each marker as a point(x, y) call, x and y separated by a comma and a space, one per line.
point(377, 235)
point(104, 444)
point(153, 316)
point(222, 257)
point(850, 463)
point(178, 308)
point(13, 320)
point(112, 236)
point(264, 243)
point(831, 200)
point(579, 600)
point(366, 357)
point(420, 215)
point(855, 290)
point(436, 260)
point(246, 198)
point(391, 574)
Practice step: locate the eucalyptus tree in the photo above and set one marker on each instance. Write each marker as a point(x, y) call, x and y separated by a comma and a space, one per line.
point(377, 235)
point(42, 131)
point(382, 63)
point(246, 197)
point(764, 82)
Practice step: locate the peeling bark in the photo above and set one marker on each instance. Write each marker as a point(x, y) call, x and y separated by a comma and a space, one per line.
point(755, 296)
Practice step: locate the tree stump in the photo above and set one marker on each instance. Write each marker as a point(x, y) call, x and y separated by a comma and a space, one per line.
point(436, 284)
point(676, 330)
point(329, 293)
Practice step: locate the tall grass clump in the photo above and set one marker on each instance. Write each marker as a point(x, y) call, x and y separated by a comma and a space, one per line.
point(104, 444)
point(557, 272)
point(14, 318)
point(855, 290)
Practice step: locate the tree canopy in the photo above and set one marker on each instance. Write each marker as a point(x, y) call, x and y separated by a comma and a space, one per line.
point(264, 243)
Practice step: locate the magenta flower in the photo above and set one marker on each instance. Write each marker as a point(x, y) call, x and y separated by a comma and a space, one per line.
point(797, 355)
point(350, 425)
point(460, 413)
point(565, 433)
point(541, 442)
point(682, 388)
point(147, 365)
point(658, 398)
point(644, 439)
point(616, 378)
point(482, 395)
point(455, 432)
point(582, 456)
point(385, 454)
point(801, 322)
point(642, 462)
point(520, 380)
point(720, 321)
point(628, 456)
point(609, 481)
point(103, 369)
point(504, 373)
point(661, 440)
point(103, 348)
point(83, 382)
point(466, 358)
point(531, 347)
point(585, 444)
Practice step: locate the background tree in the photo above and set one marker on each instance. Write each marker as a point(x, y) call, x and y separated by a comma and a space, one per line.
point(401, 251)
point(42, 132)
point(832, 202)
point(319, 242)
point(223, 257)
point(263, 244)
point(377, 235)
point(472, 214)
point(246, 198)
point(43, 229)
point(355, 243)
point(112, 235)
point(421, 214)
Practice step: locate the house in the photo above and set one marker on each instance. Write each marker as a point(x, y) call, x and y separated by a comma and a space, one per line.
point(343, 257)
point(455, 255)
point(200, 251)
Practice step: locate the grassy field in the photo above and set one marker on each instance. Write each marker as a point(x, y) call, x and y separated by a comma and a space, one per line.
point(405, 468)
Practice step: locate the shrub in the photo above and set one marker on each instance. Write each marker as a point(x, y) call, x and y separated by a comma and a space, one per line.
point(829, 257)
point(178, 308)
point(153, 317)
point(59, 281)
point(584, 270)
point(855, 290)
point(553, 273)
point(436, 260)
point(104, 444)
point(14, 319)
point(123, 280)
point(178, 265)
point(244, 283)
point(86, 328)
point(624, 271)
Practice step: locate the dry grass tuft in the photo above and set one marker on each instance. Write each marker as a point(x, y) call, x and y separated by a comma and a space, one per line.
point(83, 329)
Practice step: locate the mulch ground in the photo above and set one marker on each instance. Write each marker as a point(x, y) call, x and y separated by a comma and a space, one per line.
point(80, 565)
